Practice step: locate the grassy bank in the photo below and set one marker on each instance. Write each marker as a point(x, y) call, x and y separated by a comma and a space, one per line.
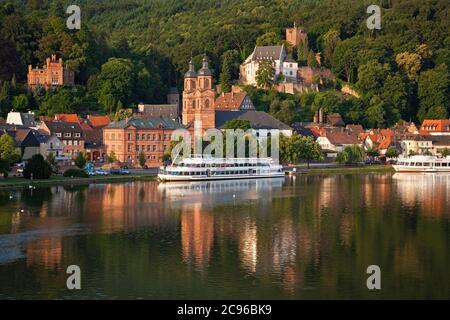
point(58, 180)
point(347, 170)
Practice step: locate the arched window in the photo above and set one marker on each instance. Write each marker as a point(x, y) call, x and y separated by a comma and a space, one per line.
point(206, 103)
point(193, 104)
point(206, 83)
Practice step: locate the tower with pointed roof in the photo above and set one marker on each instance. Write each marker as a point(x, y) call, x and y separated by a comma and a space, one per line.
point(198, 96)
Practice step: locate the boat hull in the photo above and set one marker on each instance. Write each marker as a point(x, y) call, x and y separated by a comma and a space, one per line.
point(168, 178)
point(417, 169)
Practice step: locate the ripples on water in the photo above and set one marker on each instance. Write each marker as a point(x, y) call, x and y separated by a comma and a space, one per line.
point(299, 237)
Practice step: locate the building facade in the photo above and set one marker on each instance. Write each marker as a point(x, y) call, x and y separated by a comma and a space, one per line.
point(52, 75)
point(128, 138)
point(70, 133)
point(283, 66)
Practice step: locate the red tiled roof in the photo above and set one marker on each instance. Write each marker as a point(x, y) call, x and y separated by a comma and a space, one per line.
point(67, 117)
point(385, 143)
point(340, 138)
point(387, 132)
point(85, 126)
point(436, 125)
point(230, 101)
point(99, 121)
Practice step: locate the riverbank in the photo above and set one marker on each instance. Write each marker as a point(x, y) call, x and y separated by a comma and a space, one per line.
point(344, 170)
point(59, 180)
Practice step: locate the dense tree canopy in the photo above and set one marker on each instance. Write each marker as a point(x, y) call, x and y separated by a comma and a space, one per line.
point(130, 51)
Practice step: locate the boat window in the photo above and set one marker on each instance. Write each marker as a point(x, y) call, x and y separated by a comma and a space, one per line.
point(426, 164)
point(444, 164)
point(418, 164)
point(437, 164)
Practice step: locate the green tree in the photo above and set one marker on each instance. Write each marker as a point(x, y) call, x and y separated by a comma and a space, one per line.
point(331, 39)
point(351, 155)
point(375, 113)
point(122, 114)
point(346, 60)
point(268, 39)
point(302, 52)
point(8, 150)
point(373, 153)
point(265, 74)
point(142, 159)
point(111, 158)
point(392, 152)
point(445, 152)
point(297, 147)
point(20, 103)
point(311, 60)
point(37, 168)
point(410, 63)
point(59, 101)
point(80, 160)
point(51, 159)
point(5, 104)
point(371, 78)
point(121, 78)
point(434, 93)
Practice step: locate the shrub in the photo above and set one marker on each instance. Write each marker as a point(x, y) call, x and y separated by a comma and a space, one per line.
point(37, 168)
point(77, 173)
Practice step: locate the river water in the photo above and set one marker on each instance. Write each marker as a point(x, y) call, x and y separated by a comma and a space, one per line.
point(300, 237)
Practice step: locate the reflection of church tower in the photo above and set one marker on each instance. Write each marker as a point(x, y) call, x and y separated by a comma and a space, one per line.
point(199, 95)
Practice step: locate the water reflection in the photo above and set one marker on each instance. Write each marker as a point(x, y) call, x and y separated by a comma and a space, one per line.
point(299, 237)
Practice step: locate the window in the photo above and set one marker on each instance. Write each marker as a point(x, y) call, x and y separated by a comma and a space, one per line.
point(154, 147)
point(113, 136)
point(137, 136)
point(75, 142)
point(58, 134)
point(193, 104)
point(129, 136)
point(77, 135)
point(206, 103)
point(148, 148)
point(143, 136)
point(129, 148)
point(149, 136)
point(67, 135)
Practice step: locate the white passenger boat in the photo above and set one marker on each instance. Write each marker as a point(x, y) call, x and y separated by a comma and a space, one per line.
point(197, 169)
point(422, 164)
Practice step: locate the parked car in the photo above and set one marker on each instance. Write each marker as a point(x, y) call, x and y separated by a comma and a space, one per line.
point(101, 172)
point(124, 171)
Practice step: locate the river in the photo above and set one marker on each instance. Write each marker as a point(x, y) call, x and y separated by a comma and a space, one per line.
point(299, 237)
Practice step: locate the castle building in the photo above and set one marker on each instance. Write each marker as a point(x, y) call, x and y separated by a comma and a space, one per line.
point(52, 75)
point(282, 64)
point(199, 96)
point(295, 35)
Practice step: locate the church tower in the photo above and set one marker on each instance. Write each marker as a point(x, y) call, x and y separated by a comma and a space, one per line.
point(198, 96)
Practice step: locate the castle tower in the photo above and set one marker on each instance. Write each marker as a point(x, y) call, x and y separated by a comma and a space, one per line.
point(198, 96)
point(295, 35)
